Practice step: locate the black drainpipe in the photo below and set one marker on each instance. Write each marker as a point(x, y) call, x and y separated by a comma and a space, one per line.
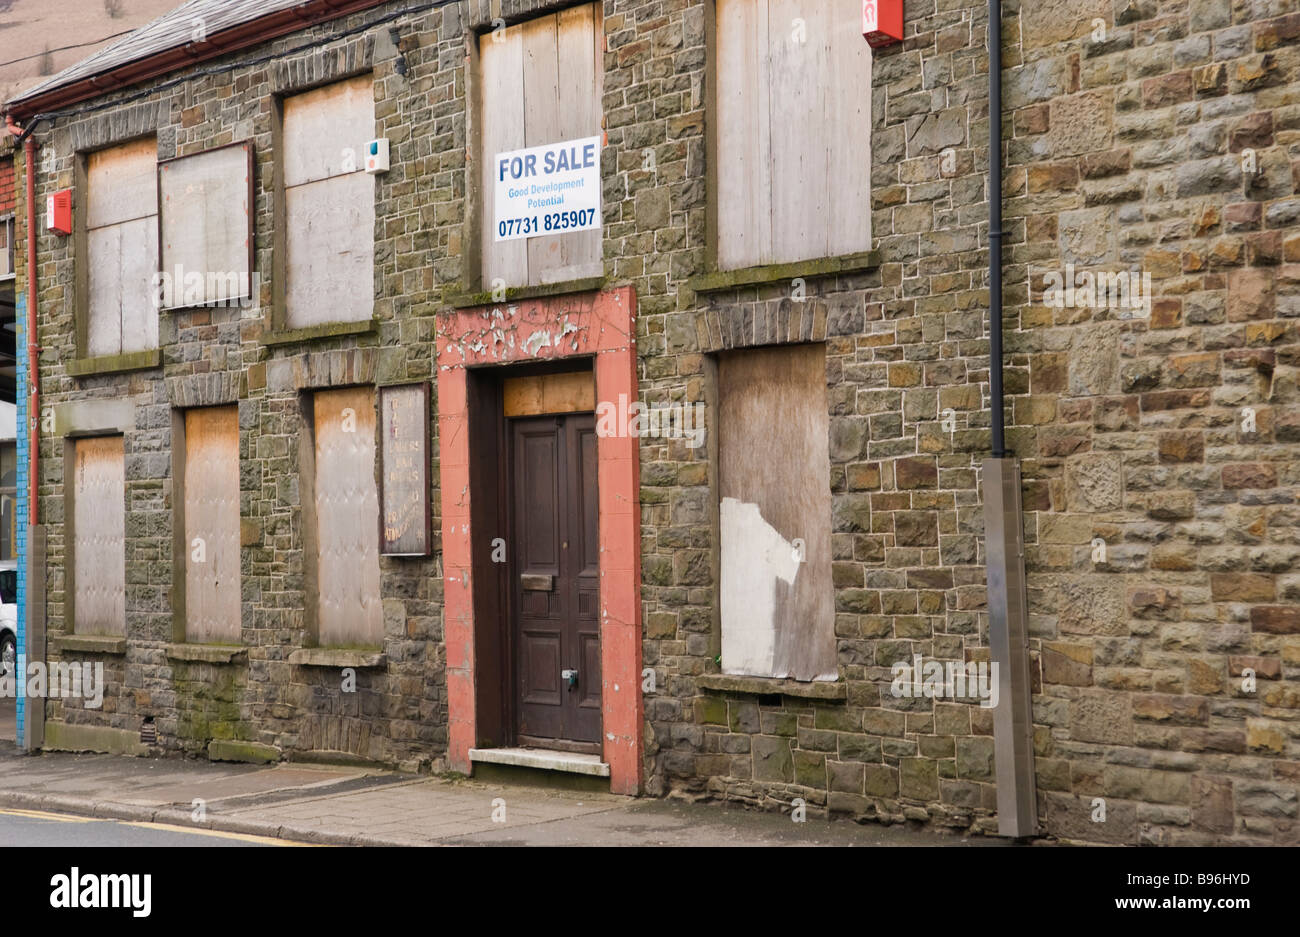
point(995, 229)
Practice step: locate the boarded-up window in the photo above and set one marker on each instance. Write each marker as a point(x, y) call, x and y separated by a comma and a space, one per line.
point(541, 83)
point(777, 602)
point(212, 526)
point(793, 131)
point(206, 238)
point(99, 536)
point(329, 204)
point(350, 610)
point(122, 244)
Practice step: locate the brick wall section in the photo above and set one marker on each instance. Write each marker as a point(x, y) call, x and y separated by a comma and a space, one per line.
point(1122, 151)
point(8, 194)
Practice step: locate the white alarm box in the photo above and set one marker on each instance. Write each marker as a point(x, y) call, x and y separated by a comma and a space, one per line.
point(377, 156)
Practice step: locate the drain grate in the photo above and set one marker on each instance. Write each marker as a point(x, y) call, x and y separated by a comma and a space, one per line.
point(149, 731)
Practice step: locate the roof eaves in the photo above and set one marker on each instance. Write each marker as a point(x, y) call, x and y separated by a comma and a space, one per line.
point(159, 62)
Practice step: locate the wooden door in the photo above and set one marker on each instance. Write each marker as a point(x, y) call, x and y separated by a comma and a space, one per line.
point(554, 575)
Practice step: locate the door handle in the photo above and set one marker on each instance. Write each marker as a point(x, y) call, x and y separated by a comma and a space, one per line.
point(536, 582)
point(571, 676)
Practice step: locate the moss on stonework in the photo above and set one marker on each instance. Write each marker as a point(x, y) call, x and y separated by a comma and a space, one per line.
point(324, 330)
point(107, 364)
point(468, 300)
point(773, 273)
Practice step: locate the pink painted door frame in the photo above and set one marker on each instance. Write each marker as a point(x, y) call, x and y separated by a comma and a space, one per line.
point(602, 325)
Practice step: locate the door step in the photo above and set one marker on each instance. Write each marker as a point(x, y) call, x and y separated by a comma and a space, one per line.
point(542, 758)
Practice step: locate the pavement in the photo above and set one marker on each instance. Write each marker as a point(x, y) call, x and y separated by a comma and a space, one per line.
point(348, 805)
point(39, 828)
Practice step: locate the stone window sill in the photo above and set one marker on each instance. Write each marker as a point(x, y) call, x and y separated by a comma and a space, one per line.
point(208, 653)
point(322, 331)
point(718, 280)
point(113, 364)
point(771, 686)
point(337, 657)
point(89, 643)
point(516, 293)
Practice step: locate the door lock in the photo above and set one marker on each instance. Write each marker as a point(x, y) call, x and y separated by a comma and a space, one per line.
point(571, 676)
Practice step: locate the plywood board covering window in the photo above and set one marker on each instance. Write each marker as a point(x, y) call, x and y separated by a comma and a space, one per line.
point(206, 202)
point(793, 131)
point(122, 248)
point(350, 610)
point(212, 595)
point(329, 204)
point(541, 83)
point(99, 536)
point(777, 600)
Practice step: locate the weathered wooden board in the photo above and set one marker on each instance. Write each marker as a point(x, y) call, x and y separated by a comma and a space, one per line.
point(123, 315)
point(501, 77)
point(542, 83)
point(793, 92)
point(404, 461)
point(777, 597)
point(580, 48)
point(206, 224)
point(542, 120)
point(331, 251)
point(212, 574)
point(325, 130)
point(568, 392)
point(797, 37)
point(122, 243)
point(121, 183)
point(350, 609)
point(104, 292)
point(848, 144)
point(329, 204)
point(136, 279)
point(744, 138)
point(99, 536)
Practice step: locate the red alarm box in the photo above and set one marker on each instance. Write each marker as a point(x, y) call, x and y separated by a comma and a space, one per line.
point(882, 22)
point(58, 212)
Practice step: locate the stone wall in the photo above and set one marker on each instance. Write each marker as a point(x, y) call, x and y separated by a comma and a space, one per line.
point(212, 356)
point(1160, 141)
point(1124, 144)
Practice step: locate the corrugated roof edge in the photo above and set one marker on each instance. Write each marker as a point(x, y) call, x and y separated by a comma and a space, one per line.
point(74, 84)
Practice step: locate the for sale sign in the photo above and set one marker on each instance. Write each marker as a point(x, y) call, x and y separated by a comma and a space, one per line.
point(552, 189)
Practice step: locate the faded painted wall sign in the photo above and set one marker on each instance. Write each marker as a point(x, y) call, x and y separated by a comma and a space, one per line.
point(552, 189)
point(404, 452)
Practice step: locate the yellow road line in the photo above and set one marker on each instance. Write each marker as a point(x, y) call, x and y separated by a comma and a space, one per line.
point(42, 815)
point(164, 827)
point(221, 834)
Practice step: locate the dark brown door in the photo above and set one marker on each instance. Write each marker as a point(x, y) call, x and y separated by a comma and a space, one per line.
point(555, 580)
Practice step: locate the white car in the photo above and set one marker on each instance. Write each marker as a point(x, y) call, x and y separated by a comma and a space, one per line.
point(8, 616)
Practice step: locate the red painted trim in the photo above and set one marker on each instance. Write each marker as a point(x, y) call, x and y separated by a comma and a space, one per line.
point(600, 324)
point(252, 33)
